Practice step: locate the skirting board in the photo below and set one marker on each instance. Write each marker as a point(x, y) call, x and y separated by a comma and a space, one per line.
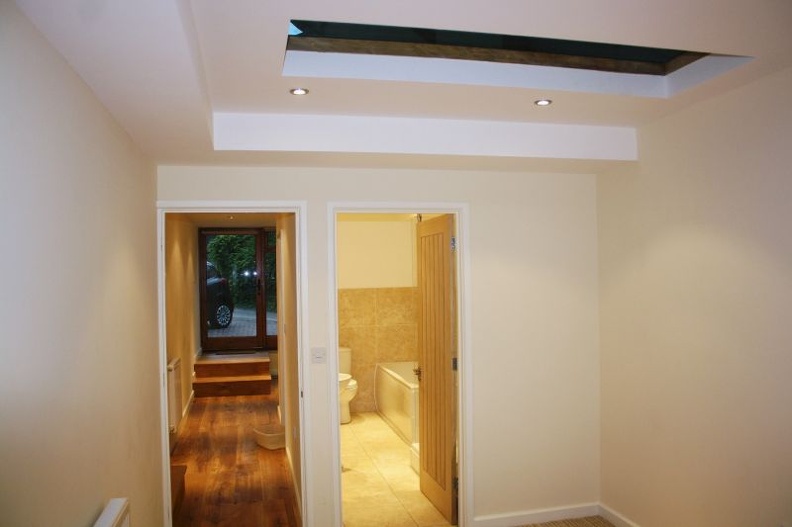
point(297, 493)
point(549, 515)
point(615, 518)
point(173, 436)
point(537, 516)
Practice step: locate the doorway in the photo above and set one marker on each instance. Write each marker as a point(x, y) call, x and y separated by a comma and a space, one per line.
point(398, 313)
point(181, 313)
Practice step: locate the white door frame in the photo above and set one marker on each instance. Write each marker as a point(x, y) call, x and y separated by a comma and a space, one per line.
point(299, 209)
point(465, 375)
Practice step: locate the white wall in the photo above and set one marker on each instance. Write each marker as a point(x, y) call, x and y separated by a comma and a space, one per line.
point(534, 321)
point(696, 292)
point(79, 391)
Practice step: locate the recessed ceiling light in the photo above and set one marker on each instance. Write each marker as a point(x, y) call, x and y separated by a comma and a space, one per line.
point(298, 91)
point(543, 102)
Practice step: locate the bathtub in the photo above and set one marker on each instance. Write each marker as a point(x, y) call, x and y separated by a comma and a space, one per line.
point(396, 399)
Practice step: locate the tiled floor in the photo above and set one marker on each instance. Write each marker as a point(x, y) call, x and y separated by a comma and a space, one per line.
point(379, 486)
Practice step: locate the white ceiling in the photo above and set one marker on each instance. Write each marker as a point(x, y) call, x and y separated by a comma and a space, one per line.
point(164, 68)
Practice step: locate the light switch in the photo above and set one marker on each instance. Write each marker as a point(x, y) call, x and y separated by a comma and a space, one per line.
point(319, 355)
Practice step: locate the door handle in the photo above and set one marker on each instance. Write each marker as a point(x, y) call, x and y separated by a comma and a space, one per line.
point(417, 371)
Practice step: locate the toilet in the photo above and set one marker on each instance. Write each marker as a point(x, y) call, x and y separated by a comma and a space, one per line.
point(347, 386)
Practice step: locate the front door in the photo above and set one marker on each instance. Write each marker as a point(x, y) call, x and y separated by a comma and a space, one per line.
point(237, 289)
point(437, 342)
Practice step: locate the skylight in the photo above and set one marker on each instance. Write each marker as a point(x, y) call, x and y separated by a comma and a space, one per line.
point(417, 42)
point(369, 52)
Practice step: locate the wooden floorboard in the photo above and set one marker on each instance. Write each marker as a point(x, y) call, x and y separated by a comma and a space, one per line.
point(230, 480)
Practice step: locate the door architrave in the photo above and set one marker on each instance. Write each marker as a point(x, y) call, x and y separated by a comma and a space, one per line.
point(299, 209)
point(464, 343)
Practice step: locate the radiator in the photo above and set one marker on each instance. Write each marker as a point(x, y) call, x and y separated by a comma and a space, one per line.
point(175, 406)
point(115, 514)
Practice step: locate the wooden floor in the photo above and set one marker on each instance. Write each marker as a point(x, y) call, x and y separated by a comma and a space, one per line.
point(230, 480)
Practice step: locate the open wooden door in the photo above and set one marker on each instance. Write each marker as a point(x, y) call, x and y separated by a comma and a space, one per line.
point(437, 360)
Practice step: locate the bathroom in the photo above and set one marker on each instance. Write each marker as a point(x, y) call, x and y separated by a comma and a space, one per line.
point(378, 324)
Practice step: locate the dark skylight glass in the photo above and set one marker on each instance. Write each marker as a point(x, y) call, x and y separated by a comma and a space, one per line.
point(406, 41)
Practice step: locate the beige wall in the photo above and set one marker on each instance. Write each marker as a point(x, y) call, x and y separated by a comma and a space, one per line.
point(374, 254)
point(533, 327)
point(696, 291)
point(79, 386)
point(181, 296)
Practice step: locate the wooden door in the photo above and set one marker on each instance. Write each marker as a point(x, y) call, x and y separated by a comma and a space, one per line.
point(437, 353)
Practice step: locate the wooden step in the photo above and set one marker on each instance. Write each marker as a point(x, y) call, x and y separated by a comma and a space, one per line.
point(232, 367)
point(233, 385)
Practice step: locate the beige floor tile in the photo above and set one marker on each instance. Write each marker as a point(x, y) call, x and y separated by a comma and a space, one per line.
point(353, 448)
point(357, 463)
point(362, 484)
point(400, 478)
point(389, 457)
point(420, 508)
point(347, 434)
point(377, 514)
point(379, 487)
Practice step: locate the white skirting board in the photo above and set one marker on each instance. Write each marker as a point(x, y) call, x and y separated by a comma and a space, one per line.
point(115, 514)
point(615, 518)
point(537, 516)
point(555, 514)
point(297, 493)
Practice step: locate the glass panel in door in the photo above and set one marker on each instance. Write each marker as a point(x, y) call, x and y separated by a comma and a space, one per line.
point(231, 290)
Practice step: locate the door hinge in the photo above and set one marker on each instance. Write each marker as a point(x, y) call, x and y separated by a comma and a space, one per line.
point(455, 484)
point(454, 364)
point(453, 243)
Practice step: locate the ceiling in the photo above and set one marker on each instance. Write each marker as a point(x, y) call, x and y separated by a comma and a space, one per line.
point(225, 220)
point(203, 81)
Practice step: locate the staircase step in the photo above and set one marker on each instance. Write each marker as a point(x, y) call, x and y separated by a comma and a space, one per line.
point(231, 367)
point(232, 385)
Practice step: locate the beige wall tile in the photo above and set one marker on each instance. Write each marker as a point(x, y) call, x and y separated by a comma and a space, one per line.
point(398, 342)
point(396, 305)
point(363, 342)
point(380, 325)
point(356, 307)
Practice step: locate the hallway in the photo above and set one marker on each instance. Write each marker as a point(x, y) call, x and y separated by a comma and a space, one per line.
point(230, 480)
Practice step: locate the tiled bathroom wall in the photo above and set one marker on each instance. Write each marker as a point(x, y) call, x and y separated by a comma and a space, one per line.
point(380, 325)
